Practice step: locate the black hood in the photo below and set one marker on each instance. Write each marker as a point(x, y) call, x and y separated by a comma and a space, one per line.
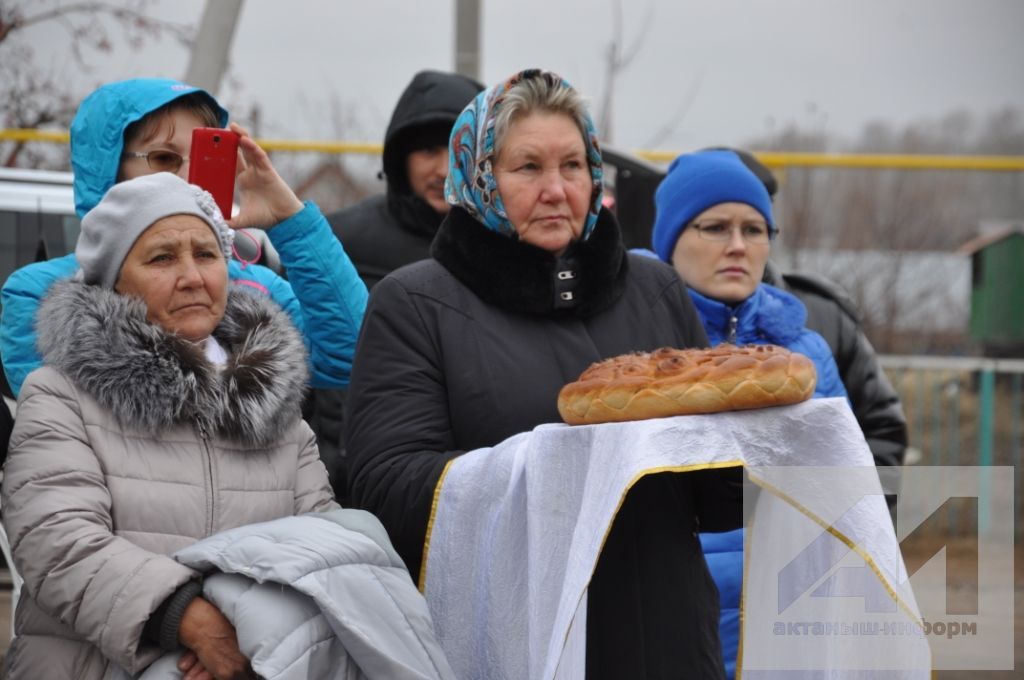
point(433, 98)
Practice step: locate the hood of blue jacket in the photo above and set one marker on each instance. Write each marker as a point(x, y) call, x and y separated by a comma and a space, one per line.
point(97, 131)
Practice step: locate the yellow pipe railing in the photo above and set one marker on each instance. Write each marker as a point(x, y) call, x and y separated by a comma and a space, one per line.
point(783, 159)
point(59, 137)
point(773, 159)
point(23, 135)
point(370, 148)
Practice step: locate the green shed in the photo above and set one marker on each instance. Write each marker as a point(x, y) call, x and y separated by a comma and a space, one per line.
point(997, 290)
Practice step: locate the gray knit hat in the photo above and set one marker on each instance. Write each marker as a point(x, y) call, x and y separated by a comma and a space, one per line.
point(111, 228)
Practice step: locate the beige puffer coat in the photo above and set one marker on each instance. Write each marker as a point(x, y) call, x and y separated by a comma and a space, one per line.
point(128, 445)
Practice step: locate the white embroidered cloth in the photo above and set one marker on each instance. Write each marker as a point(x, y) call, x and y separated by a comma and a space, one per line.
point(517, 529)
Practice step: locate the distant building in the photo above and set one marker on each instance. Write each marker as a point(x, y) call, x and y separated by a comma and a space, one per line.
point(911, 301)
point(997, 288)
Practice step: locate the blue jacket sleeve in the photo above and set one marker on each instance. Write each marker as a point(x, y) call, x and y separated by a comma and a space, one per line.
point(326, 290)
point(814, 346)
point(20, 297)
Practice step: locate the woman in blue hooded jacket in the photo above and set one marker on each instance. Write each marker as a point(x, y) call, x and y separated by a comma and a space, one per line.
point(714, 225)
point(140, 126)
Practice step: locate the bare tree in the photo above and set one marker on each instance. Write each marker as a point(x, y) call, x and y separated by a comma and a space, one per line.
point(31, 94)
point(803, 204)
point(893, 232)
point(333, 181)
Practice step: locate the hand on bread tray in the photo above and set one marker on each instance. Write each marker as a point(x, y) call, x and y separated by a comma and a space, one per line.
point(673, 382)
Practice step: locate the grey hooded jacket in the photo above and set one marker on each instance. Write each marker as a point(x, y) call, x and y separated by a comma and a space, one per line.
point(348, 609)
point(129, 446)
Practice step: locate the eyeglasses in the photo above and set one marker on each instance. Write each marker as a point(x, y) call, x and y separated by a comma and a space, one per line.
point(159, 160)
point(754, 234)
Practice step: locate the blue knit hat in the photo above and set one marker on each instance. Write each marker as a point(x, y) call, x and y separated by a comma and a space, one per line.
point(696, 182)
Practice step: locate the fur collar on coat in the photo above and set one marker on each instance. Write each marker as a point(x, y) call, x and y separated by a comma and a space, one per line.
point(522, 278)
point(152, 380)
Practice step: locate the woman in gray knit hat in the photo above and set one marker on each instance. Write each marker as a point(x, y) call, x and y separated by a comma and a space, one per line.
point(167, 410)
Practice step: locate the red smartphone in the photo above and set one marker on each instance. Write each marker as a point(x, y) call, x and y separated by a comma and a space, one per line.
point(212, 162)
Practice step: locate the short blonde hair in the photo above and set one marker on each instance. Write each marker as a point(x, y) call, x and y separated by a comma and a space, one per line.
point(198, 104)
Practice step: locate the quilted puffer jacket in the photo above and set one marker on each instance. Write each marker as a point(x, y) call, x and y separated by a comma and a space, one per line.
point(128, 446)
point(317, 597)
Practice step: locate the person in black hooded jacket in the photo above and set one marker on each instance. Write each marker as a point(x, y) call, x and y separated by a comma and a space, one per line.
point(386, 231)
point(527, 285)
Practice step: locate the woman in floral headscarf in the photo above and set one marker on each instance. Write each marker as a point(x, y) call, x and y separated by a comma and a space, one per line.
point(528, 285)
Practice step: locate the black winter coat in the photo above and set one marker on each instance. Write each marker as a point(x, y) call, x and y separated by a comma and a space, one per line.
point(378, 241)
point(387, 231)
point(6, 425)
point(469, 348)
point(875, 403)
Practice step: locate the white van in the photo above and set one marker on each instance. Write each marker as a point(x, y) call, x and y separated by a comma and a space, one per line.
point(37, 221)
point(37, 217)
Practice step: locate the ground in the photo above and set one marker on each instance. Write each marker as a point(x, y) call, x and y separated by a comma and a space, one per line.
point(956, 561)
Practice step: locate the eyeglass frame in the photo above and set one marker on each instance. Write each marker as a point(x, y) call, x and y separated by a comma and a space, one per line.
point(701, 229)
point(145, 154)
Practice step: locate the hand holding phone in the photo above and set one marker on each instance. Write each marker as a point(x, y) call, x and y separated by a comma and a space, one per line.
point(212, 162)
point(264, 198)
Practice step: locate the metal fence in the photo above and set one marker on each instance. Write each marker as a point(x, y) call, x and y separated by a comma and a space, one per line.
point(963, 412)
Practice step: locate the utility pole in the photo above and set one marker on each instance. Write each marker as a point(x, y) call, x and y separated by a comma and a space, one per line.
point(209, 59)
point(467, 38)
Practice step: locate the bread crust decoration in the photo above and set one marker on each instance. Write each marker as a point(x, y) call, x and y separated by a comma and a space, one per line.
point(673, 382)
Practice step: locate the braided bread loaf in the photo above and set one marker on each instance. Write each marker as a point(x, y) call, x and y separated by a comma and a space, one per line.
point(672, 382)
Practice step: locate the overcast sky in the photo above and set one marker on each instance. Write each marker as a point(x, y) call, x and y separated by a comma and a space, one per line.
point(707, 72)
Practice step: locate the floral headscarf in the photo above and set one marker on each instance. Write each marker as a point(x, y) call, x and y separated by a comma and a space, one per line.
point(471, 184)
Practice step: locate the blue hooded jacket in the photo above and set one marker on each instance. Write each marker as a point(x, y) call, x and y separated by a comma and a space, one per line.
point(324, 295)
point(769, 316)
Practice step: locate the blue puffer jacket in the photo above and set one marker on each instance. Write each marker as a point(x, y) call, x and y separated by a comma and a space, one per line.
point(769, 316)
point(324, 295)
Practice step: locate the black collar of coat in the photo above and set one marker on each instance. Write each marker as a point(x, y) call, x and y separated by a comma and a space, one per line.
point(522, 278)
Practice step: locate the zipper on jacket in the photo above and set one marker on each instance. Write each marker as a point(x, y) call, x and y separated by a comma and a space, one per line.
point(733, 322)
point(204, 437)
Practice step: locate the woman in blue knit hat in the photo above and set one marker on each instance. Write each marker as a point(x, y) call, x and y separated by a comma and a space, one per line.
point(714, 224)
